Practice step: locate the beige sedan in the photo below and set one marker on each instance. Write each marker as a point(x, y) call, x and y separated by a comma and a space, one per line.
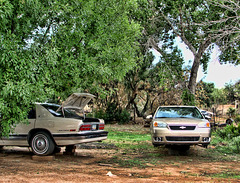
point(52, 126)
point(179, 126)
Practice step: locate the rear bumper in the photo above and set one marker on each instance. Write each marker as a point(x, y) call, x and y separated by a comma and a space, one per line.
point(79, 138)
point(60, 139)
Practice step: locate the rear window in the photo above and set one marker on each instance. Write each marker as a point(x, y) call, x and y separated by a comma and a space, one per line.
point(32, 114)
point(56, 111)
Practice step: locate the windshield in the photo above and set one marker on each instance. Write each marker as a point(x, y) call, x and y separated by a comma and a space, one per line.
point(53, 109)
point(178, 112)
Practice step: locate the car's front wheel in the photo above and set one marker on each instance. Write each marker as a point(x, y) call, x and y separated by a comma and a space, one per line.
point(42, 144)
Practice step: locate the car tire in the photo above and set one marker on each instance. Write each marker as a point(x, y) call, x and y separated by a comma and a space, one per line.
point(42, 144)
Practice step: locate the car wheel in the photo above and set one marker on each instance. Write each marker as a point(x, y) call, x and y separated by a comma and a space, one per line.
point(42, 144)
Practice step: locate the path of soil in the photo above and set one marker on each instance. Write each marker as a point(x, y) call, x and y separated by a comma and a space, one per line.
point(87, 165)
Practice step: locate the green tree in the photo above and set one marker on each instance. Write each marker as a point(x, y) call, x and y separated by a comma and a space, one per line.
point(232, 91)
point(228, 28)
point(204, 92)
point(53, 48)
point(152, 78)
point(188, 20)
point(219, 96)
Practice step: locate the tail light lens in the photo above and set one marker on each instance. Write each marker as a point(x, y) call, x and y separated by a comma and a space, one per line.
point(101, 127)
point(85, 128)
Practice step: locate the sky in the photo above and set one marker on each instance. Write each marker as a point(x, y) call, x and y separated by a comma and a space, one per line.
point(219, 74)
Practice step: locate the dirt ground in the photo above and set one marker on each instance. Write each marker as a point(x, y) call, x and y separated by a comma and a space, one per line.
point(87, 165)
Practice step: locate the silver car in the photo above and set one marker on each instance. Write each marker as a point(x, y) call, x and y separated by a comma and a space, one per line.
point(179, 125)
point(51, 126)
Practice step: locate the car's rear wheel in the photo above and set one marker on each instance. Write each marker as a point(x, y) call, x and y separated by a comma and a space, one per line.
point(42, 144)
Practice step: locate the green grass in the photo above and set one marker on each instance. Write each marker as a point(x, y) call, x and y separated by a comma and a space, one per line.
point(134, 149)
point(134, 145)
point(226, 146)
point(227, 174)
point(129, 138)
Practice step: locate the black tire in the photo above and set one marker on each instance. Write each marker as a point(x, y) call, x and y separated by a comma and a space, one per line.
point(42, 144)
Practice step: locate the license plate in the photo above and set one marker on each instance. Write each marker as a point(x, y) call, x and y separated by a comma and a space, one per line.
point(94, 127)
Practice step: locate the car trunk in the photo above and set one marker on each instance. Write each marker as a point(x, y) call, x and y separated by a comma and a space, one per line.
point(77, 102)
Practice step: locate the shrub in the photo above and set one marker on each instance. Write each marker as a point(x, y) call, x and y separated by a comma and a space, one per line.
point(188, 98)
point(229, 131)
point(124, 117)
point(231, 112)
point(237, 119)
point(228, 139)
point(99, 114)
point(113, 113)
point(236, 144)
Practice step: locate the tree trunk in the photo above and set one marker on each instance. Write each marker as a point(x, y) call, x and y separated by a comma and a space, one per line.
point(131, 99)
point(193, 75)
point(136, 109)
point(196, 64)
point(145, 108)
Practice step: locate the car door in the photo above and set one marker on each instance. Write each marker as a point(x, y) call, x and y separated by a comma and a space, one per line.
point(20, 133)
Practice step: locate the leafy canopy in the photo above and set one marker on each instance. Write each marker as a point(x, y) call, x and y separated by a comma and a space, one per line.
point(56, 47)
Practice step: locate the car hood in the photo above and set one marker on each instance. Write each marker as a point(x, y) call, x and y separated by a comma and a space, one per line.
point(180, 120)
point(77, 101)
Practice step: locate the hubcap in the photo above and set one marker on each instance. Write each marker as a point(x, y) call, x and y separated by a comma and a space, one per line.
point(40, 144)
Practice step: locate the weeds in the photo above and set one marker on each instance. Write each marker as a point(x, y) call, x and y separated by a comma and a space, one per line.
point(227, 140)
point(135, 149)
point(225, 174)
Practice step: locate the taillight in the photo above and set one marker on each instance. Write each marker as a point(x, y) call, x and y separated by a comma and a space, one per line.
point(101, 127)
point(85, 128)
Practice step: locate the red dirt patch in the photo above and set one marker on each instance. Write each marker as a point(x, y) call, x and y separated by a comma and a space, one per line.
point(89, 165)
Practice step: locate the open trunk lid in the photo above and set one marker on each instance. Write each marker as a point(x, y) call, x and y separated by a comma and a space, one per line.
point(77, 101)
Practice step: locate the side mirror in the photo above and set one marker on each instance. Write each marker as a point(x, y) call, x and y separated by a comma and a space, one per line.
point(207, 117)
point(149, 117)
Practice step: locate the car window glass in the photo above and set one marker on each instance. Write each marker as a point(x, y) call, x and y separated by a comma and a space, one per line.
point(56, 111)
point(32, 114)
point(59, 113)
point(178, 112)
